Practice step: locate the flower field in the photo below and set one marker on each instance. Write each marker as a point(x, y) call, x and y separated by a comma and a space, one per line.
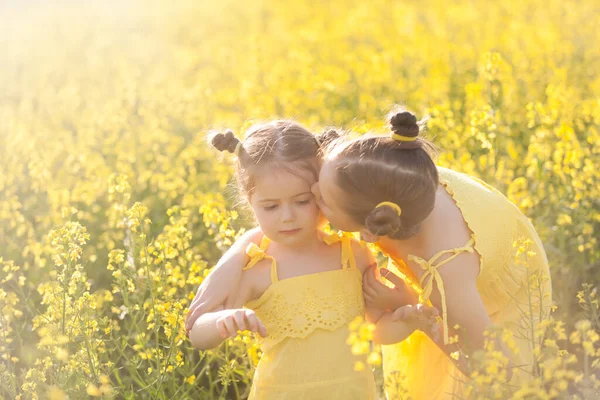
point(113, 208)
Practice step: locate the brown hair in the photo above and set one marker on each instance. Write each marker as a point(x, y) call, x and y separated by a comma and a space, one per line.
point(373, 169)
point(279, 144)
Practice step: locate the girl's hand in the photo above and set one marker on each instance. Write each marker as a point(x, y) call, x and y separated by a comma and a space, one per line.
point(220, 286)
point(377, 295)
point(420, 317)
point(240, 319)
point(213, 291)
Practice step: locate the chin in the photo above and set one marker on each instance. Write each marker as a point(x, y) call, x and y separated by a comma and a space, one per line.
point(302, 237)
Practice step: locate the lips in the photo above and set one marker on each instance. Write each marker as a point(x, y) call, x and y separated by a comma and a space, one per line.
point(290, 231)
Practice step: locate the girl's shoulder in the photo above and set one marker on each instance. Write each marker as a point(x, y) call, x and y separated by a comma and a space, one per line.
point(255, 280)
point(359, 250)
point(363, 255)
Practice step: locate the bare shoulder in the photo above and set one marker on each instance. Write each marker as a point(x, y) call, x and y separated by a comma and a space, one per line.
point(255, 281)
point(253, 235)
point(448, 230)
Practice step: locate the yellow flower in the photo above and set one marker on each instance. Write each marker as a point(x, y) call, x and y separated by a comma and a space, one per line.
point(374, 358)
point(93, 390)
point(62, 354)
point(55, 393)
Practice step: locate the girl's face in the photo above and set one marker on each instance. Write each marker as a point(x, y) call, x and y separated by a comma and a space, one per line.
point(329, 196)
point(285, 207)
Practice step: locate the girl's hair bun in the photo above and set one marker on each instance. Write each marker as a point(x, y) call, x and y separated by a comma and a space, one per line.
point(404, 123)
point(327, 137)
point(225, 141)
point(383, 221)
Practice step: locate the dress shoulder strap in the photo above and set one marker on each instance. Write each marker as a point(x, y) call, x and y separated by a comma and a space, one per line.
point(348, 260)
point(257, 253)
point(431, 275)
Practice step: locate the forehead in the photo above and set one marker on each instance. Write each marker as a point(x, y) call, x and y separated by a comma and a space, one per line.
point(281, 184)
point(327, 173)
point(330, 190)
point(327, 178)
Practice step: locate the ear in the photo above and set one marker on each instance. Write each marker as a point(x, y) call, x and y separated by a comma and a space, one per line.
point(368, 237)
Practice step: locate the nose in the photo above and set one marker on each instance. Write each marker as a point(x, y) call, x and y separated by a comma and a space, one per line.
point(288, 213)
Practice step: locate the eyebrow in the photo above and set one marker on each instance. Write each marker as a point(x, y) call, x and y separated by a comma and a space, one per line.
point(296, 195)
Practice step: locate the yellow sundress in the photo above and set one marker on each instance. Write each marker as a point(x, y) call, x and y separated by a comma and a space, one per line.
point(417, 364)
point(305, 355)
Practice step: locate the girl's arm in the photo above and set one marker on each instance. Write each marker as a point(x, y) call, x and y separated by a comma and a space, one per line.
point(398, 321)
point(365, 261)
point(465, 307)
point(378, 295)
point(394, 327)
point(212, 328)
point(223, 280)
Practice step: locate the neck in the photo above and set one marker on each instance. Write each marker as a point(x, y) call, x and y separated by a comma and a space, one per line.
point(398, 249)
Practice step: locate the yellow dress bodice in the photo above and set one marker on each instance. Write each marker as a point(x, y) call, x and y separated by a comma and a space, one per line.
point(416, 366)
point(305, 355)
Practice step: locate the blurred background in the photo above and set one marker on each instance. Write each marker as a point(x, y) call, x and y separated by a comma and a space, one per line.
point(113, 208)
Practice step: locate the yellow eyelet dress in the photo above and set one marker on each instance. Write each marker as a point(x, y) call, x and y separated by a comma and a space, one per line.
point(416, 368)
point(305, 355)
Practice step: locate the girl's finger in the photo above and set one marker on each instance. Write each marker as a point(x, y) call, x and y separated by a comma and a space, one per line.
point(390, 276)
point(240, 321)
point(412, 313)
point(401, 313)
point(197, 298)
point(374, 286)
point(193, 315)
point(369, 277)
point(262, 329)
point(230, 326)
point(252, 322)
point(381, 289)
point(369, 290)
point(222, 328)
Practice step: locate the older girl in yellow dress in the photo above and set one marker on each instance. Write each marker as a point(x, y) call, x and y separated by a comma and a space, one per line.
point(451, 233)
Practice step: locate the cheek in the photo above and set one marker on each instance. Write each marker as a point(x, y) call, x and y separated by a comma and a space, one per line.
point(265, 218)
point(311, 211)
point(340, 221)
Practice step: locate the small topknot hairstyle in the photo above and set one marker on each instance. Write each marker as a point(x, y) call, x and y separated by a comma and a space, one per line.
point(326, 139)
point(404, 123)
point(225, 141)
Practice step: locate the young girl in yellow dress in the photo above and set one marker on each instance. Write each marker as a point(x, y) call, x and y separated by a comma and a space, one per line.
point(450, 232)
point(301, 287)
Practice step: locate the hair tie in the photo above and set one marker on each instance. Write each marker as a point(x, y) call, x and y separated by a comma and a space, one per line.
point(318, 140)
point(237, 149)
point(395, 206)
point(402, 138)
